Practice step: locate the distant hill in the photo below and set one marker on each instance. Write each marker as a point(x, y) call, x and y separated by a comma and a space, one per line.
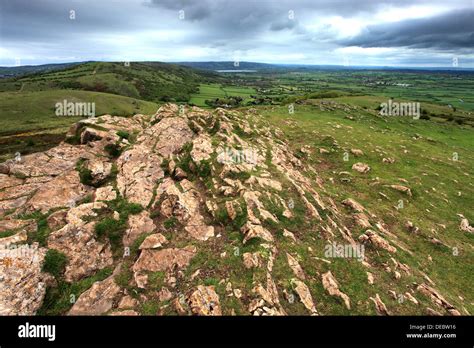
point(228, 65)
point(30, 69)
point(265, 67)
point(151, 81)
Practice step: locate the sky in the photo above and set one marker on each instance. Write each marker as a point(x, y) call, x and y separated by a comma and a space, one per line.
point(337, 32)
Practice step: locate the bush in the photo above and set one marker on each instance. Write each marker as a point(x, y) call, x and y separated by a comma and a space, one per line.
point(123, 134)
point(85, 175)
point(113, 150)
point(54, 263)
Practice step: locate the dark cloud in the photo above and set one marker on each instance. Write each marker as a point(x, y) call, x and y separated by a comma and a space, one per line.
point(281, 25)
point(448, 31)
point(41, 30)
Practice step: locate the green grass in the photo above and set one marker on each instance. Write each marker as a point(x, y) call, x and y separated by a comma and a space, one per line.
point(54, 263)
point(213, 91)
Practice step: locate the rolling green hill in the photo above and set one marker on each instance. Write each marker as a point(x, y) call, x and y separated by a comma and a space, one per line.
point(27, 104)
point(149, 81)
point(29, 123)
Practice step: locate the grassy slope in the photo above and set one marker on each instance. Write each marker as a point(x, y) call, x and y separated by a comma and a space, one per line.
point(28, 122)
point(148, 81)
point(431, 173)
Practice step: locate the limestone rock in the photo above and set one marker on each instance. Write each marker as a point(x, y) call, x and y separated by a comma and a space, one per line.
point(137, 225)
point(332, 287)
point(379, 305)
point(377, 241)
point(361, 167)
point(85, 254)
point(153, 241)
point(22, 283)
point(295, 267)
point(305, 296)
point(205, 301)
point(98, 300)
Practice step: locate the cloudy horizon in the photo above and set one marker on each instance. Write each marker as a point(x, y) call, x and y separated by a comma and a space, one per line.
point(323, 32)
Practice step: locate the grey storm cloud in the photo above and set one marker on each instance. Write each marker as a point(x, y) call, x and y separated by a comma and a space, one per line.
point(451, 30)
point(41, 30)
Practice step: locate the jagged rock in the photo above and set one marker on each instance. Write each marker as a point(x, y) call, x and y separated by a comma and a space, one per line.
point(388, 160)
point(370, 278)
point(252, 260)
point(61, 191)
point(164, 294)
point(436, 298)
point(185, 206)
point(357, 207)
point(22, 283)
point(402, 189)
point(106, 193)
point(229, 206)
point(202, 148)
point(153, 241)
point(305, 296)
point(137, 225)
point(138, 171)
point(295, 267)
point(75, 216)
point(89, 134)
point(411, 298)
point(172, 134)
point(289, 234)
point(127, 302)
point(99, 170)
point(255, 231)
point(362, 220)
point(57, 219)
point(379, 305)
point(98, 300)
point(14, 224)
point(332, 287)
point(465, 226)
point(377, 241)
point(357, 152)
point(361, 167)
point(161, 260)
point(205, 301)
point(180, 174)
point(85, 254)
point(269, 296)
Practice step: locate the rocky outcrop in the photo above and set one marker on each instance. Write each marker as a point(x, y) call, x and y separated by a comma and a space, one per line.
point(22, 282)
point(205, 301)
point(193, 197)
point(98, 300)
point(331, 285)
point(84, 252)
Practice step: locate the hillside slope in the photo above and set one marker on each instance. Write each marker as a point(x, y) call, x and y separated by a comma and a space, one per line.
point(152, 81)
point(221, 213)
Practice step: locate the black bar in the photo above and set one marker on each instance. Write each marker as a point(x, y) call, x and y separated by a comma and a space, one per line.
point(332, 330)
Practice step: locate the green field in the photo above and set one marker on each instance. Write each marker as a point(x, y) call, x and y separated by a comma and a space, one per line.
point(29, 123)
point(213, 91)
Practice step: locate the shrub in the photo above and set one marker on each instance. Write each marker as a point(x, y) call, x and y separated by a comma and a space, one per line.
point(54, 263)
point(113, 150)
point(123, 134)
